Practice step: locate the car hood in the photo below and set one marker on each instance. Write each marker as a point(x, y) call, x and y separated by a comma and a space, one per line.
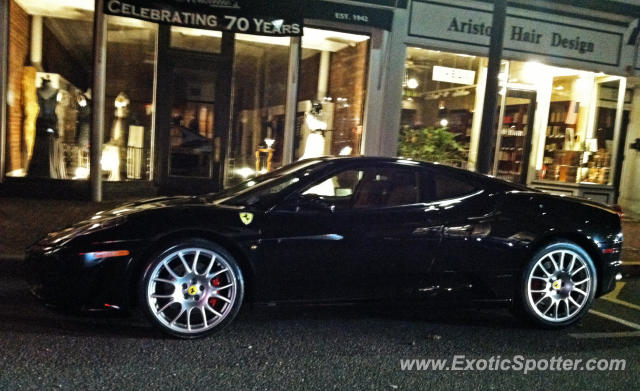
point(116, 216)
point(152, 203)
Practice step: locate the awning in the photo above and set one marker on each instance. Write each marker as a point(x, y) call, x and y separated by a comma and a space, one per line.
point(272, 17)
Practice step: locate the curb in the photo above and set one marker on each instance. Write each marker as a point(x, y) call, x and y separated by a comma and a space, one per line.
point(12, 257)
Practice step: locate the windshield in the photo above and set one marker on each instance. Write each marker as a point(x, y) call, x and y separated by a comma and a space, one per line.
point(263, 189)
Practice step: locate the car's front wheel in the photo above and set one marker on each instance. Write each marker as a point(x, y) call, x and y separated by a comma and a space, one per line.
point(558, 285)
point(192, 288)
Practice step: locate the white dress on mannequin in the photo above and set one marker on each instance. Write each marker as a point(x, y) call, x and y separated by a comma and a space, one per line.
point(314, 145)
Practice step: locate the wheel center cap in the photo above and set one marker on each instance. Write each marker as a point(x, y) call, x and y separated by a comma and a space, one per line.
point(193, 290)
point(557, 284)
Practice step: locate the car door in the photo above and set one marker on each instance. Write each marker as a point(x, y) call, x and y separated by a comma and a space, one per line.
point(466, 210)
point(357, 234)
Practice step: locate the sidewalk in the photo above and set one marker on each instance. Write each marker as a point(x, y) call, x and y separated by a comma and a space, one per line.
point(631, 244)
point(24, 220)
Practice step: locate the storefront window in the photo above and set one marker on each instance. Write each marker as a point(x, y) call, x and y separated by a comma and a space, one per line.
point(259, 95)
point(579, 138)
point(49, 91)
point(331, 93)
point(517, 100)
point(439, 95)
point(596, 164)
point(131, 60)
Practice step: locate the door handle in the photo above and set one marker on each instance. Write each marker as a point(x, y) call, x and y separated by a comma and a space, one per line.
point(458, 231)
point(432, 231)
point(468, 230)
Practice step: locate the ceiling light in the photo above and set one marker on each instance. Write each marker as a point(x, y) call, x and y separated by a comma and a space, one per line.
point(412, 83)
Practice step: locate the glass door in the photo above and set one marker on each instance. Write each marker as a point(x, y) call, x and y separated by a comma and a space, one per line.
point(191, 129)
point(193, 113)
point(514, 136)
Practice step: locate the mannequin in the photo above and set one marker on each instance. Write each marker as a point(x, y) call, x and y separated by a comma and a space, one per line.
point(121, 112)
point(84, 121)
point(46, 159)
point(115, 149)
point(31, 108)
point(314, 144)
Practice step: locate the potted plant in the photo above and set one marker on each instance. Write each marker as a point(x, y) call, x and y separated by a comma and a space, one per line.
point(430, 144)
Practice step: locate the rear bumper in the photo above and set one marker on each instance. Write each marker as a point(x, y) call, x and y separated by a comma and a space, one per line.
point(611, 266)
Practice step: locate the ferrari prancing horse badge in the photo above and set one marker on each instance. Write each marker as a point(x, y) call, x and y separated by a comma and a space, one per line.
point(246, 217)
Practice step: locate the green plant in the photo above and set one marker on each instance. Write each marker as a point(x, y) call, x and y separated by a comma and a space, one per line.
point(430, 144)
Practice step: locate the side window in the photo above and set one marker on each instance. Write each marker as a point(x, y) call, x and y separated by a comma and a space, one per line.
point(339, 188)
point(442, 186)
point(371, 187)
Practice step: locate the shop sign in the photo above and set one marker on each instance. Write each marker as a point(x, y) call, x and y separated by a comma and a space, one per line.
point(569, 39)
point(345, 13)
point(272, 18)
point(453, 75)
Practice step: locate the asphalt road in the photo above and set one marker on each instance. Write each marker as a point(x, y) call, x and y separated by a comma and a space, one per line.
point(321, 348)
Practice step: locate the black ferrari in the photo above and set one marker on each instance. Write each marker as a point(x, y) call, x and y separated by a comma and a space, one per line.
point(336, 230)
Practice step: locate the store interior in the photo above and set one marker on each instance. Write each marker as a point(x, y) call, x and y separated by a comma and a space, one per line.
point(554, 124)
point(53, 45)
point(439, 91)
point(330, 99)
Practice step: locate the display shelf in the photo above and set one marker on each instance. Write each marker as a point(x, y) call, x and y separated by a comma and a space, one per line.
point(557, 127)
point(512, 139)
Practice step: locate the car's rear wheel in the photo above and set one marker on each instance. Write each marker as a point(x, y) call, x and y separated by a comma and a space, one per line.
point(558, 285)
point(192, 289)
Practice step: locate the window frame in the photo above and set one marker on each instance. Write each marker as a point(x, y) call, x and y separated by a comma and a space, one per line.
point(461, 177)
point(418, 171)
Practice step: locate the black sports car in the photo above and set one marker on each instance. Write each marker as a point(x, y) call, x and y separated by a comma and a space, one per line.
point(336, 230)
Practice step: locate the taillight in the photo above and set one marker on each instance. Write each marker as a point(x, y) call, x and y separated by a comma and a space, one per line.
point(618, 209)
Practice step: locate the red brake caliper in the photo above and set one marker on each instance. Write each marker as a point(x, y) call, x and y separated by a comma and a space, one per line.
point(213, 300)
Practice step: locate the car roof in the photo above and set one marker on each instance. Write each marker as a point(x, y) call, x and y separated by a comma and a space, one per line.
point(434, 165)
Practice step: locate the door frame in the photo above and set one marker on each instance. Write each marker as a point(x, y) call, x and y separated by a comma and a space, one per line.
point(168, 58)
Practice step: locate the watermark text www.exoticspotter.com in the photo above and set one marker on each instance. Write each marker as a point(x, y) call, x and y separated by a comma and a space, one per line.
point(516, 363)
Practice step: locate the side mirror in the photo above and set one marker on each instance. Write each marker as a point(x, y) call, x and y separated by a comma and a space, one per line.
point(313, 202)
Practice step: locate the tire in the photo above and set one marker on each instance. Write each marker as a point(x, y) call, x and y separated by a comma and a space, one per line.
point(558, 285)
point(188, 302)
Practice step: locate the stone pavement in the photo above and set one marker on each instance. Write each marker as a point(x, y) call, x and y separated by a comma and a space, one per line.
point(25, 220)
point(631, 244)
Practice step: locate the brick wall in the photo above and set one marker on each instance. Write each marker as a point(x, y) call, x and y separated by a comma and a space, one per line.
point(19, 30)
point(57, 59)
point(347, 80)
point(309, 69)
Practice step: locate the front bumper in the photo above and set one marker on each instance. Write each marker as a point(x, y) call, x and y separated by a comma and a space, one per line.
point(71, 278)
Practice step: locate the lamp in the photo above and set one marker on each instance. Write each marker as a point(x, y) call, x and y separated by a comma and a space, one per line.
point(412, 83)
point(268, 150)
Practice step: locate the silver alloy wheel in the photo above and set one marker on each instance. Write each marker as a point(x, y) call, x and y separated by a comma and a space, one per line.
point(191, 290)
point(559, 285)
